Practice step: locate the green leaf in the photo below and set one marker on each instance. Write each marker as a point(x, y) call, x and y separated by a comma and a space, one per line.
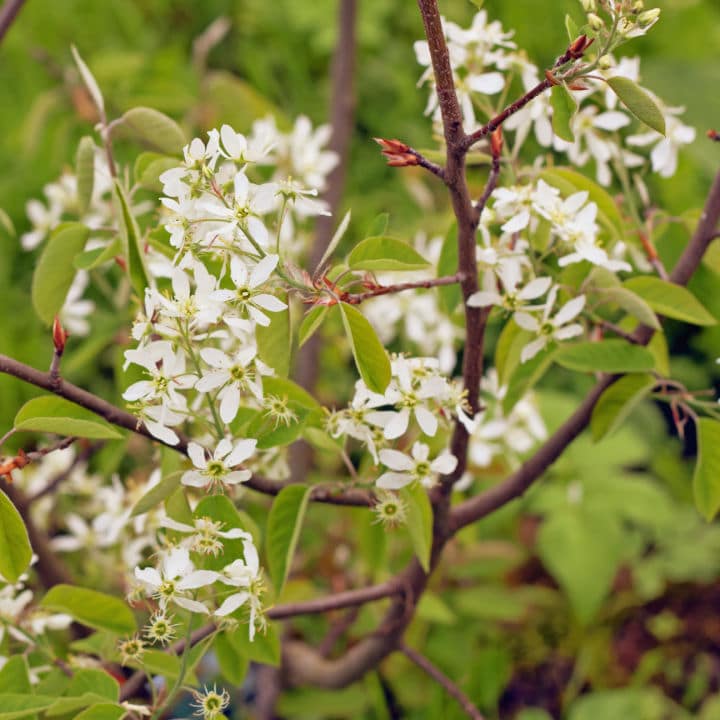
point(508, 348)
point(571, 28)
point(89, 259)
point(15, 550)
point(659, 348)
point(379, 225)
point(89, 80)
point(582, 550)
point(273, 341)
point(419, 522)
point(55, 271)
point(283, 531)
point(563, 108)
point(65, 705)
point(158, 662)
point(16, 705)
point(638, 102)
point(132, 242)
point(14, 676)
point(148, 168)
point(525, 376)
point(178, 508)
point(85, 172)
point(103, 711)
point(156, 494)
point(311, 322)
point(52, 414)
point(632, 304)
point(450, 295)
point(91, 680)
point(371, 359)
point(617, 402)
point(155, 129)
point(706, 481)
point(7, 223)
point(611, 356)
point(385, 253)
point(233, 664)
point(673, 301)
point(264, 649)
point(91, 608)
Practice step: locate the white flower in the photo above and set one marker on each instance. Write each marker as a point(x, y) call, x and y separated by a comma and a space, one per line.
point(241, 373)
point(244, 574)
point(513, 297)
point(247, 297)
point(665, 153)
point(204, 534)
point(175, 578)
point(550, 328)
point(218, 470)
point(405, 469)
point(167, 372)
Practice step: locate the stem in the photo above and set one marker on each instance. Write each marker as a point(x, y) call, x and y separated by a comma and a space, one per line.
point(8, 13)
point(187, 646)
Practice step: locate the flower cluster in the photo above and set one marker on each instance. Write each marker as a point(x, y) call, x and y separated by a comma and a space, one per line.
point(485, 62)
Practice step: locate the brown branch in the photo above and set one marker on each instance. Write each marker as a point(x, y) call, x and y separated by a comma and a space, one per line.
point(574, 52)
point(436, 674)
point(127, 421)
point(342, 120)
point(8, 13)
point(515, 485)
point(496, 149)
point(357, 298)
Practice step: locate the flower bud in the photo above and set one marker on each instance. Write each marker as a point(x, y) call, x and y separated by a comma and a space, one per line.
point(589, 5)
point(605, 62)
point(496, 142)
point(638, 6)
point(60, 336)
point(595, 22)
point(648, 18)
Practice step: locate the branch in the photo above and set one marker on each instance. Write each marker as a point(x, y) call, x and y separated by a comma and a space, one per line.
point(374, 291)
point(8, 13)
point(574, 52)
point(515, 485)
point(436, 674)
point(123, 419)
point(400, 154)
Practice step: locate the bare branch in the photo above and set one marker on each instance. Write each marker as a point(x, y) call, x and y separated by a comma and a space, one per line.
point(8, 13)
point(439, 676)
point(357, 298)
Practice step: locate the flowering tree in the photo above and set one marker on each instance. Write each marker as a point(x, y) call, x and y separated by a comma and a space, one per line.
point(229, 258)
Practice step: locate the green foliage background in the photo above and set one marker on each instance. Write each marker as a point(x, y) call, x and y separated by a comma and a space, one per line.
point(638, 482)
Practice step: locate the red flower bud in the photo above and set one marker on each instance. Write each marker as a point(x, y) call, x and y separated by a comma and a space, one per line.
point(59, 335)
point(496, 142)
point(714, 135)
point(398, 153)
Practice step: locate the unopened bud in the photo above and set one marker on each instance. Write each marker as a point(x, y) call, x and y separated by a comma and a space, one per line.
point(59, 335)
point(714, 135)
point(638, 6)
point(121, 262)
point(551, 78)
point(496, 142)
point(579, 46)
point(605, 62)
point(595, 22)
point(649, 17)
point(589, 5)
point(398, 153)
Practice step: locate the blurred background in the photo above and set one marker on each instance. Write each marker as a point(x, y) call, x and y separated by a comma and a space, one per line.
point(656, 635)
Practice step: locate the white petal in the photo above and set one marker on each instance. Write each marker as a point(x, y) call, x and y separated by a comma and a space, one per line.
point(199, 578)
point(393, 480)
point(568, 331)
point(487, 83)
point(197, 455)
point(532, 349)
point(570, 310)
point(269, 302)
point(149, 575)
point(444, 463)
point(216, 358)
point(262, 271)
point(427, 421)
point(396, 460)
point(232, 603)
point(526, 322)
point(535, 288)
point(483, 298)
point(236, 477)
point(242, 451)
point(212, 381)
point(397, 425)
point(192, 605)
point(517, 222)
point(193, 479)
point(229, 403)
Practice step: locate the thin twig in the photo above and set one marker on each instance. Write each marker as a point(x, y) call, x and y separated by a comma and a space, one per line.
point(439, 676)
point(8, 13)
point(357, 298)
